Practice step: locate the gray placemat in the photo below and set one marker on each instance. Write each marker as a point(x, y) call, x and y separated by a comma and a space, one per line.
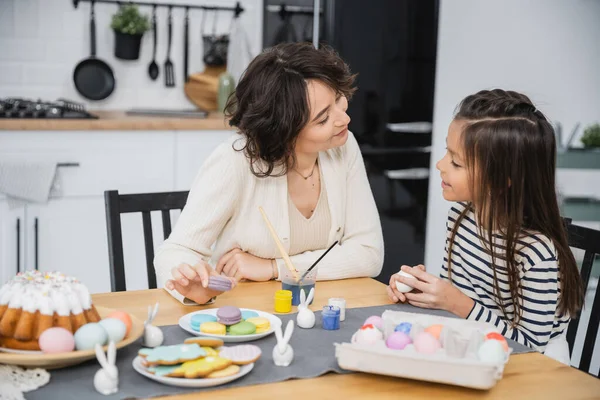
point(314, 355)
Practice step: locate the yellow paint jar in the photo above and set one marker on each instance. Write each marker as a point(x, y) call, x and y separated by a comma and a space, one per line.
point(283, 301)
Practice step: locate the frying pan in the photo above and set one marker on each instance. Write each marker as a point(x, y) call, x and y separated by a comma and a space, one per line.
point(93, 78)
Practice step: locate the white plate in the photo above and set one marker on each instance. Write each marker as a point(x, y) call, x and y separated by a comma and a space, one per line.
point(184, 322)
point(193, 383)
point(16, 351)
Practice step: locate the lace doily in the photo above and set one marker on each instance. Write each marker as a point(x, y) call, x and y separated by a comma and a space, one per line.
point(14, 381)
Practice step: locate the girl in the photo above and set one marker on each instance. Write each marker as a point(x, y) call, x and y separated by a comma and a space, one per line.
point(507, 260)
point(295, 157)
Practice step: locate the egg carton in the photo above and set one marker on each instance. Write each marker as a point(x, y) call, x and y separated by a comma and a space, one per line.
point(462, 368)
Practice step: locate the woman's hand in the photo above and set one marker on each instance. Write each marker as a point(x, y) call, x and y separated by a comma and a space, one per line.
point(240, 265)
point(434, 292)
point(392, 292)
point(192, 281)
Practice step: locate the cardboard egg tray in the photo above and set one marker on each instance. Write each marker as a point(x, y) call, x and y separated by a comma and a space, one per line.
point(466, 370)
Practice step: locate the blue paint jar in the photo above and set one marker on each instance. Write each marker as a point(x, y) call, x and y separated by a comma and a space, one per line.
point(331, 318)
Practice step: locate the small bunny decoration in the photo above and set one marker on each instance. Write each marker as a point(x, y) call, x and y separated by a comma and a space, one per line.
point(306, 317)
point(283, 354)
point(106, 380)
point(153, 335)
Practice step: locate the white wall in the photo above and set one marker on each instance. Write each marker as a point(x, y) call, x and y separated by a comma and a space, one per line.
point(547, 49)
point(41, 41)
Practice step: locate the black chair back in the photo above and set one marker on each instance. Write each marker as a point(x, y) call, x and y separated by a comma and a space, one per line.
point(587, 240)
point(144, 203)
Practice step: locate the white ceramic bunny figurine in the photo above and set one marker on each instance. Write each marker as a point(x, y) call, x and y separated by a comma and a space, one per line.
point(153, 335)
point(106, 380)
point(283, 354)
point(306, 317)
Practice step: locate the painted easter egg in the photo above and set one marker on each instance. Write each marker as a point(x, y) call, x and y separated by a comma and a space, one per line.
point(426, 343)
point(88, 335)
point(115, 328)
point(123, 316)
point(491, 351)
point(376, 321)
point(403, 327)
point(435, 330)
point(398, 341)
point(368, 335)
point(498, 337)
point(56, 340)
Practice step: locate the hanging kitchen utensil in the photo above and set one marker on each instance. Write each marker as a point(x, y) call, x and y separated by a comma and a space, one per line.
point(93, 78)
point(186, 39)
point(215, 46)
point(153, 68)
point(169, 69)
point(202, 87)
point(286, 32)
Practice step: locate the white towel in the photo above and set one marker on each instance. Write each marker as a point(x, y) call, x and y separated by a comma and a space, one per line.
point(239, 53)
point(24, 182)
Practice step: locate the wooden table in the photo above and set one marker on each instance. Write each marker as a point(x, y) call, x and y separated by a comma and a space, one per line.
point(527, 376)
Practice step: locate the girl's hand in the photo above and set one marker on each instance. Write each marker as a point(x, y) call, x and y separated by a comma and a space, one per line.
point(435, 293)
point(392, 292)
point(192, 281)
point(240, 265)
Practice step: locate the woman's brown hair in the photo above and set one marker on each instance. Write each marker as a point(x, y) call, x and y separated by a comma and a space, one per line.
point(270, 104)
point(510, 152)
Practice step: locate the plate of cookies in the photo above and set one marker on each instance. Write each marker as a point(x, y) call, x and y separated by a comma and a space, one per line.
point(231, 324)
point(198, 362)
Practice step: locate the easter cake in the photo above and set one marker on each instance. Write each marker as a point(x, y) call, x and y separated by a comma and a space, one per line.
point(34, 301)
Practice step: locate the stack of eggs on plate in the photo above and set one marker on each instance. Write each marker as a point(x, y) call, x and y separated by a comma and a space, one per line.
point(230, 321)
point(115, 327)
point(196, 358)
point(435, 339)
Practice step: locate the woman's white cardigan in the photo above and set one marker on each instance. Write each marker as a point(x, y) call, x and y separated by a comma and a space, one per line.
point(222, 210)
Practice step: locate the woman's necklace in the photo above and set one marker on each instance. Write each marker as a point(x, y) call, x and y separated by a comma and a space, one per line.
point(311, 173)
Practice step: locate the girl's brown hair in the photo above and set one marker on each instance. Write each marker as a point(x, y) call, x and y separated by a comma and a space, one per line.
point(270, 104)
point(510, 152)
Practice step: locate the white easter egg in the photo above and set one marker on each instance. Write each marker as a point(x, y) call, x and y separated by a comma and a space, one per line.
point(491, 351)
point(402, 287)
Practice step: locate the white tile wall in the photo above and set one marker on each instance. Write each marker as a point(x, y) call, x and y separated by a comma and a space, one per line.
point(41, 41)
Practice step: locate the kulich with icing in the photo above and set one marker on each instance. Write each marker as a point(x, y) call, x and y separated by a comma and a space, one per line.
point(34, 301)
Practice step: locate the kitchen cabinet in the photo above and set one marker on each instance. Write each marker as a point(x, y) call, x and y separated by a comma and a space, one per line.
point(68, 233)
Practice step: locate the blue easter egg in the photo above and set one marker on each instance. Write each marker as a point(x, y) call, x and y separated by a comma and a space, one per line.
point(88, 335)
point(404, 327)
point(115, 328)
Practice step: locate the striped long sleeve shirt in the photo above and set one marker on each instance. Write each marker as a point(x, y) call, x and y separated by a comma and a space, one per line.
point(538, 270)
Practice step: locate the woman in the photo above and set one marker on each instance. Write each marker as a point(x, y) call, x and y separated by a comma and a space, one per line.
point(297, 160)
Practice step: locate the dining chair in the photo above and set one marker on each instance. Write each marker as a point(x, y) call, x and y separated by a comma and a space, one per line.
point(588, 240)
point(144, 203)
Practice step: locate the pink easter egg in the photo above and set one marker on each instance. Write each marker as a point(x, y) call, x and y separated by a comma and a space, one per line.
point(376, 321)
point(398, 341)
point(426, 343)
point(56, 340)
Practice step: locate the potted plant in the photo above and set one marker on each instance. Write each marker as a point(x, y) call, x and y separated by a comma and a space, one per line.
point(129, 26)
point(591, 136)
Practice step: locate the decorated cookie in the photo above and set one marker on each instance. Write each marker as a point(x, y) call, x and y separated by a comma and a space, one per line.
point(249, 314)
point(204, 341)
point(199, 319)
point(243, 328)
point(229, 315)
point(242, 354)
point(213, 328)
point(262, 324)
point(210, 352)
point(163, 370)
point(229, 371)
point(201, 368)
point(170, 355)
